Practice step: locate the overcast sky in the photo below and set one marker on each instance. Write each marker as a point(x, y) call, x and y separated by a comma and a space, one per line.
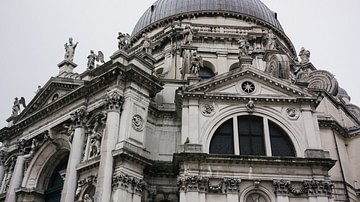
point(33, 33)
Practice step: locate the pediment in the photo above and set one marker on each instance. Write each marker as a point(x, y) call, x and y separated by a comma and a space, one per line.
point(248, 82)
point(54, 89)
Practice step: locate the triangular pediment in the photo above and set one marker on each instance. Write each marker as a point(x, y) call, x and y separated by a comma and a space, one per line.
point(248, 81)
point(54, 89)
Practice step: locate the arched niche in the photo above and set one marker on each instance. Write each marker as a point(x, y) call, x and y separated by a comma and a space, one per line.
point(207, 71)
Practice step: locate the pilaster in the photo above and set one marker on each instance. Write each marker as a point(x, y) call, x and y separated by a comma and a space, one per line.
point(79, 118)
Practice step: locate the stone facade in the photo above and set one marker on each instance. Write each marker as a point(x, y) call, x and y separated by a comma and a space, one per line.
point(198, 106)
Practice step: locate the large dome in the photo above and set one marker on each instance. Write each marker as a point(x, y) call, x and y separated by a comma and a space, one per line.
point(166, 9)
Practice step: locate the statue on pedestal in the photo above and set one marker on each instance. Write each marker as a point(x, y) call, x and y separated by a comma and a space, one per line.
point(16, 106)
point(243, 47)
point(196, 63)
point(70, 50)
point(270, 43)
point(146, 44)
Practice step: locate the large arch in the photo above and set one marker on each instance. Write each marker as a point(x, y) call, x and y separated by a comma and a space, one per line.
point(44, 162)
point(209, 128)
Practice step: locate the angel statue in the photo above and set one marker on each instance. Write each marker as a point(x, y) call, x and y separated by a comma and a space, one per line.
point(93, 57)
point(70, 50)
point(124, 41)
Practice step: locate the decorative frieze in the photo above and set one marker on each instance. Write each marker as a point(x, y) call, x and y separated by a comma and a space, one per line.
point(203, 184)
point(114, 101)
point(313, 188)
point(121, 180)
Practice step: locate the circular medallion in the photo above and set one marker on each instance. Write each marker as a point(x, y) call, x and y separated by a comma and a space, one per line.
point(207, 109)
point(293, 113)
point(137, 122)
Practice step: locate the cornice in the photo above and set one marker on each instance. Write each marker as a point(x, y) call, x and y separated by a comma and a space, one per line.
point(181, 158)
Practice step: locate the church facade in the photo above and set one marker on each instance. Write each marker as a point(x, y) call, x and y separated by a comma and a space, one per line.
point(205, 101)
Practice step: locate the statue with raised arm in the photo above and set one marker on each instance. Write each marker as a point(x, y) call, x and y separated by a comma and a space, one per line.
point(70, 50)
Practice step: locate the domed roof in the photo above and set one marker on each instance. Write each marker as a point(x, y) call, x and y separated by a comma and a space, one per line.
point(165, 9)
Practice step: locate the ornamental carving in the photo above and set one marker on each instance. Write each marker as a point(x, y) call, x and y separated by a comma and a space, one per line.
point(232, 184)
point(314, 187)
point(114, 101)
point(193, 183)
point(79, 117)
point(84, 183)
point(125, 181)
point(137, 122)
point(293, 113)
point(203, 184)
point(323, 80)
point(207, 109)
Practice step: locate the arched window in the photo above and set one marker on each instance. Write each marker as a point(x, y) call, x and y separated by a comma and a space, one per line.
point(251, 135)
point(206, 73)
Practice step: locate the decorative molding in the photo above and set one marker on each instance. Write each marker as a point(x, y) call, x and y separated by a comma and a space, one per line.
point(137, 123)
point(232, 184)
point(310, 188)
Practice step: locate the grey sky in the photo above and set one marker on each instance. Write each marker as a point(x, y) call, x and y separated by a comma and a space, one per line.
point(33, 33)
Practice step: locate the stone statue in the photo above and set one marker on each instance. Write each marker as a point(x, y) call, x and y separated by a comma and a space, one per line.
point(188, 35)
point(146, 44)
point(196, 63)
point(124, 41)
point(93, 57)
point(16, 106)
point(243, 47)
point(70, 50)
point(304, 56)
point(96, 136)
point(87, 198)
point(270, 43)
point(91, 60)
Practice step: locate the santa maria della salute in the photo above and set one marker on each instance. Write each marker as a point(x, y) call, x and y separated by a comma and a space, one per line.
point(205, 101)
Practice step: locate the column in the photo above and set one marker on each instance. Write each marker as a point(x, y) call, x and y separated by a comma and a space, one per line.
point(104, 179)
point(77, 146)
point(16, 178)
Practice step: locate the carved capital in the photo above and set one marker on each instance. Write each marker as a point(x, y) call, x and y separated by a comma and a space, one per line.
point(193, 183)
point(232, 184)
point(79, 117)
point(114, 101)
point(281, 187)
point(127, 182)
